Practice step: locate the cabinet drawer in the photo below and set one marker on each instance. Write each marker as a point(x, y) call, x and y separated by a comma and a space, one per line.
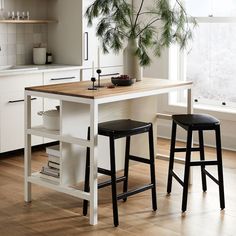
point(57, 78)
point(12, 120)
point(19, 82)
point(61, 77)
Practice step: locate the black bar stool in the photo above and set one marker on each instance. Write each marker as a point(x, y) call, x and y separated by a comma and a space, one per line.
point(114, 130)
point(196, 122)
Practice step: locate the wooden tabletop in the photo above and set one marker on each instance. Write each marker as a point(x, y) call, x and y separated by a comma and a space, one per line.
point(80, 89)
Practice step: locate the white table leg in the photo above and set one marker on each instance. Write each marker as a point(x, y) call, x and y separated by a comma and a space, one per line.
point(93, 163)
point(190, 111)
point(27, 154)
point(190, 102)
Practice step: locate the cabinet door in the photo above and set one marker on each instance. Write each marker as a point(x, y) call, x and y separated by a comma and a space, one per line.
point(12, 110)
point(64, 38)
point(71, 40)
point(92, 46)
point(12, 120)
point(89, 39)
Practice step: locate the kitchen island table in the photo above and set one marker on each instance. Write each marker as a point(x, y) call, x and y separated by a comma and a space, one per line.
point(80, 108)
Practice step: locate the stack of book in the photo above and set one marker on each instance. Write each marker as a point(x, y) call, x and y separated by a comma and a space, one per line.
point(51, 171)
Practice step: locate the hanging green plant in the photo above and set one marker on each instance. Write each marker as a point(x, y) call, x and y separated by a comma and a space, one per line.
point(119, 21)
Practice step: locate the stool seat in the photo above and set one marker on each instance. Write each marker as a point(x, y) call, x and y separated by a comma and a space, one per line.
point(195, 121)
point(122, 128)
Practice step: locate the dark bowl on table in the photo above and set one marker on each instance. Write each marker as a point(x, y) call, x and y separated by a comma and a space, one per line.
point(121, 81)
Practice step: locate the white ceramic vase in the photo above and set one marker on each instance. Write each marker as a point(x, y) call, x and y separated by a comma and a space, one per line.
point(132, 67)
point(39, 56)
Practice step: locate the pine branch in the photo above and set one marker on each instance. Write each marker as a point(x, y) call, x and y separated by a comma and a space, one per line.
point(148, 25)
point(137, 16)
point(130, 18)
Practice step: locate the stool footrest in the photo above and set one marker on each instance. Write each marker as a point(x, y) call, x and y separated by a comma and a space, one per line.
point(194, 149)
point(108, 182)
point(139, 159)
point(177, 177)
point(211, 177)
point(104, 171)
point(203, 163)
point(134, 191)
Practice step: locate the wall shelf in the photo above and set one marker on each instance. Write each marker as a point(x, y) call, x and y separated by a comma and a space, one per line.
point(28, 21)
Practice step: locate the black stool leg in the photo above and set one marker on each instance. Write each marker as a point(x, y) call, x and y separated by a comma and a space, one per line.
point(202, 158)
point(113, 181)
point(86, 179)
point(186, 171)
point(152, 169)
point(172, 153)
point(220, 168)
point(126, 170)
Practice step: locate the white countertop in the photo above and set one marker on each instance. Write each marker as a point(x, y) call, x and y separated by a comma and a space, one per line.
point(29, 69)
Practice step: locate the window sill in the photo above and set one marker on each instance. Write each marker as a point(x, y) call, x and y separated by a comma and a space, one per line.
point(222, 113)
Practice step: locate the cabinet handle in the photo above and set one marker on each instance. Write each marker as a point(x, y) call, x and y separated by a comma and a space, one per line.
point(64, 78)
point(86, 53)
point(20, 100)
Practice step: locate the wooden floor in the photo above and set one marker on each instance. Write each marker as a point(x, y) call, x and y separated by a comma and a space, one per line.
point(52, 213)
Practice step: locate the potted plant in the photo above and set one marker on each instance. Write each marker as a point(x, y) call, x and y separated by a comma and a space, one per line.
point(120, 24)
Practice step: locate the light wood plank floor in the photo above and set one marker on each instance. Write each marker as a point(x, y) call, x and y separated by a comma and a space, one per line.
point(53, 213)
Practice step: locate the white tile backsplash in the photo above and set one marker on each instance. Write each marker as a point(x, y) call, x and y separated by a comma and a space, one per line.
point(3, 28)
point(29, 29)
point(20, 49)
point(3, 38)
point(20, 38)
point(20, 29)
point(11, 49)
point(3, 60)
point(17, 42)
point(11, 28)
point(11, 60)
point(20, 59)
point(3, 51)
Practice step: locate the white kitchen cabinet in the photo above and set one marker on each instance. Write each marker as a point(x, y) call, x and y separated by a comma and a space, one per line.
point(92, 46)
point(89, 39)
point(71, 41)
point(65, 37)
point(12, 105)
point(12, 110)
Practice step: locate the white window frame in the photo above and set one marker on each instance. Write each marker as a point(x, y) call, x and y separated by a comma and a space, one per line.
point(172, 103)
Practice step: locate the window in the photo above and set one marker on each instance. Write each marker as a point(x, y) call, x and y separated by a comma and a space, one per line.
point(211, 59)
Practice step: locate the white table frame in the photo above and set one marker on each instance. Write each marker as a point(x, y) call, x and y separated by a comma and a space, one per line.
point(92, 196)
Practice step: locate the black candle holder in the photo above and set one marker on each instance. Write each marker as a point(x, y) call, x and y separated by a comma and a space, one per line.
point(93, 79)
point(99, 71)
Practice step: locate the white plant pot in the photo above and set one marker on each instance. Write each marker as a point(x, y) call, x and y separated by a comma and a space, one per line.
point(132, 67)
